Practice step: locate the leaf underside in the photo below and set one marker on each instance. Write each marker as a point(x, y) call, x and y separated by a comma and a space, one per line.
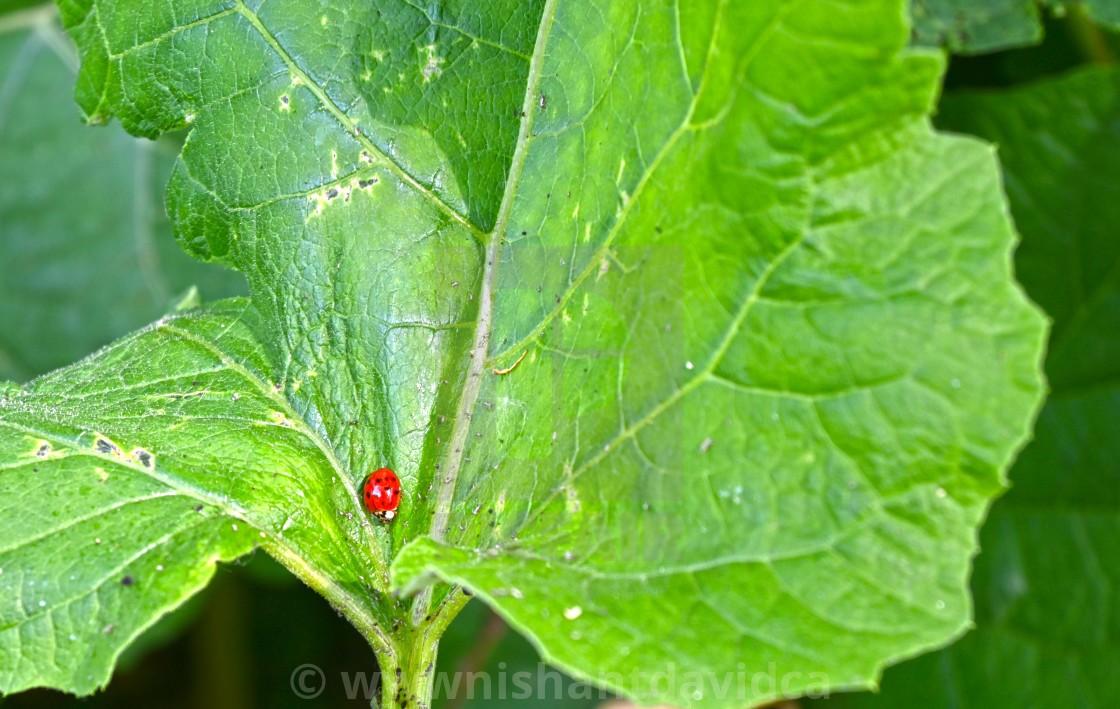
point(774, 358)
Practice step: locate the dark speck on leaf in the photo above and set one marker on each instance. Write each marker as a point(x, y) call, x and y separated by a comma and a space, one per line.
point(195, 383)
point(127, 581)
point(198, 508)
point(332, 193)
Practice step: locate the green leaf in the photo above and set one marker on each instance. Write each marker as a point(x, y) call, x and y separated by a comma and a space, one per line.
point(764, 359)
point(127, 476)
point(980, 26)
point(1045, 582)
point(85, 241)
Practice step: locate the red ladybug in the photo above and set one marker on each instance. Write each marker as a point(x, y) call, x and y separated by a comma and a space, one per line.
point(382, 493)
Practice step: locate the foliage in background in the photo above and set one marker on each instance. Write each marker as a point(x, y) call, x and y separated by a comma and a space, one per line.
point(977, 26)
point(87, 247)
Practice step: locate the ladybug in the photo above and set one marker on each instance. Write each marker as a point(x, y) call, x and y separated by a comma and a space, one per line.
point(382, 493)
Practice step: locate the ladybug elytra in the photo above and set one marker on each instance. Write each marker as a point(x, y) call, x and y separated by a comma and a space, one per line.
point(382, 494)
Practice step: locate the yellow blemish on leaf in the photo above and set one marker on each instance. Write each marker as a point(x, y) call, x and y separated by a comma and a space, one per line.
point(103, 445)
point(280, 419)
point(571, 500)
point(43, 449)
point(513, 366)
point(142, 457)
point(328, 195)
point(433, 67)
point(101, 474)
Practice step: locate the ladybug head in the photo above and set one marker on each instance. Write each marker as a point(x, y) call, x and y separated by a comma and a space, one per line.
point(385, 515)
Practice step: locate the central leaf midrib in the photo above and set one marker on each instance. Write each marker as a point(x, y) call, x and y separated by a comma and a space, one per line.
point(448, 477)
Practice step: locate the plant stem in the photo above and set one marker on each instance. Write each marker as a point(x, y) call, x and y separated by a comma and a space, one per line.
point(408, 670)
point(407, 678)
point(1087, 36)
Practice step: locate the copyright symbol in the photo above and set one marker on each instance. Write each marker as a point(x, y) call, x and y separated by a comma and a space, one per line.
point(308, 681)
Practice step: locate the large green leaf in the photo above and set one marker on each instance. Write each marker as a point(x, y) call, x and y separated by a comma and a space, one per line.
point(1045, 584)
point(127, 476)
point(774, 361)
point(978, 26)
point(85, 241)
